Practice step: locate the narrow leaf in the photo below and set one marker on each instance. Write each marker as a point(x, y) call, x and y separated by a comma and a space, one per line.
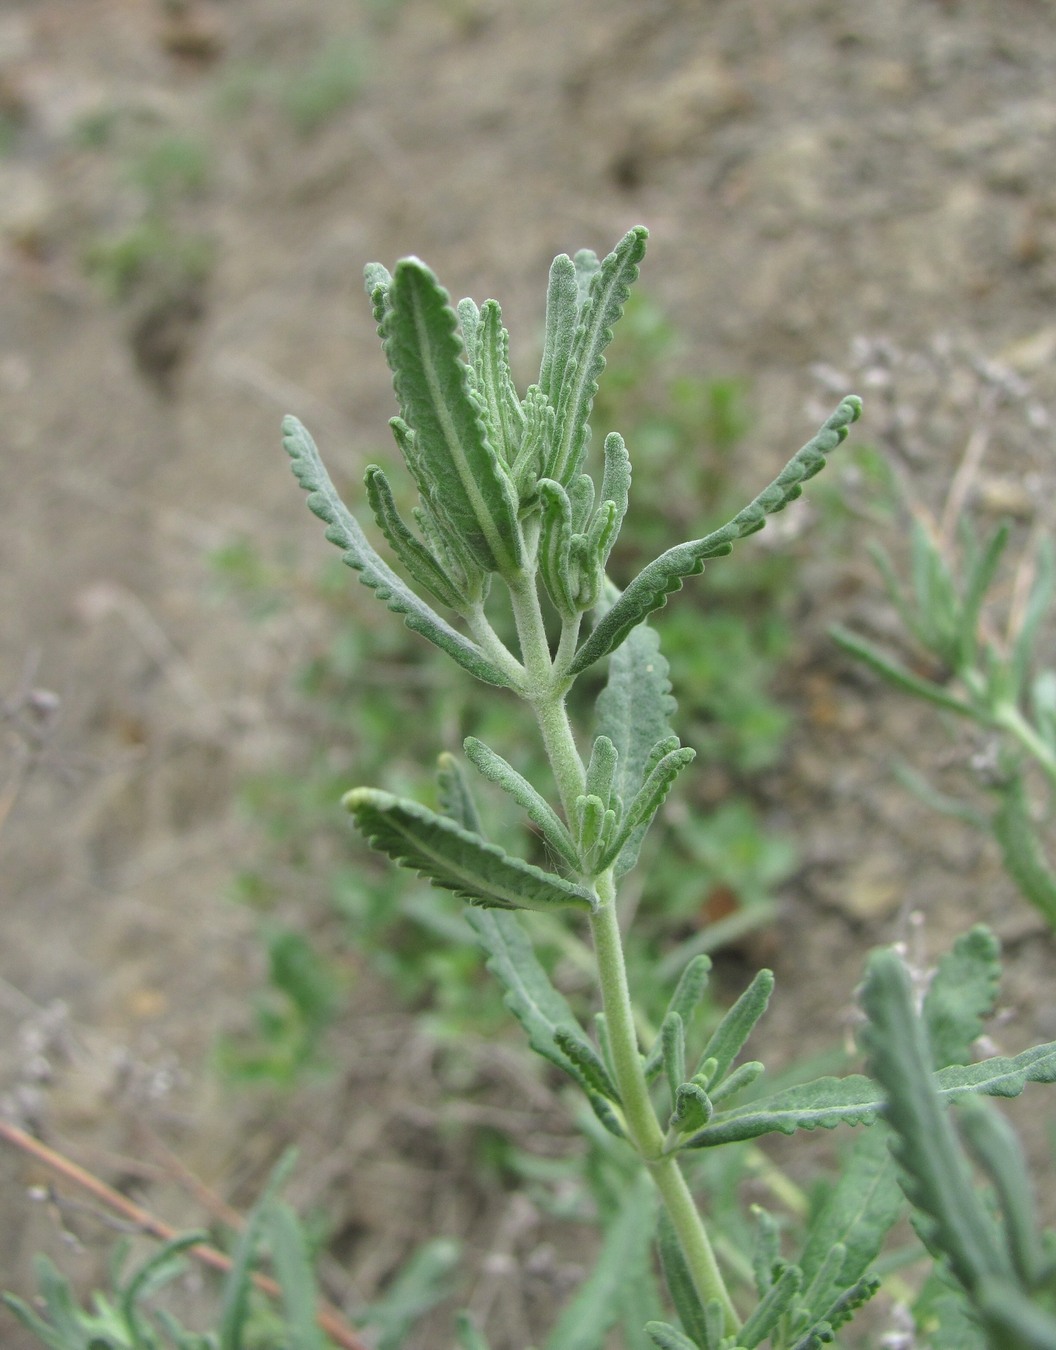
point(561, 318)
point(993, 1144)
point(961, 994)
point(601, 770)
point(499, 771)
point(376, 280)
point(692, 1108)
point(454, 796)
point(416, 558)
point(895, 673)
point(649, 799)
point(555, 542)
point(344, 530)
point(452, 858)
point(424, 350)
point(616, 478)
point(857, 1100)
point(541, 1010)
point(737, 1024)
point(609, 289)
point(666, 1337)
point(673, 1043)
point(650, 589)
point(1021, 850)
point(680, 1285)
point(936, 1177)
point(504, 412)
point(771, 1308)
point(742, 1077)
point(293, 1267)
point(591, 1068)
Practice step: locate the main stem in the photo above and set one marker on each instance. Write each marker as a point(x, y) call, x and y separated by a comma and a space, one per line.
point(639, 1115)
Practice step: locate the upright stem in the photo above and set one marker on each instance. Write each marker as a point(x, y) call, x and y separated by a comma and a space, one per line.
point(547, 698)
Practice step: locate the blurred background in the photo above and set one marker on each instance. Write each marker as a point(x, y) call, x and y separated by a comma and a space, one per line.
point(198, 965)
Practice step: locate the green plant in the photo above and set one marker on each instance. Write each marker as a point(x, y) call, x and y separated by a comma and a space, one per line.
point(504, 497)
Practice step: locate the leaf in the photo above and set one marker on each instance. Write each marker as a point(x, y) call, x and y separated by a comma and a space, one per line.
point(293, 1268)
point(641, 811)
point(416, 558)
point(666, 1337)
point(961, 994)
point(856, 1216)
point(541, 1010)
point(651, 587)
point(555, 540)
point(857, 1100)
point(452, 858)
point(562, 312)
point(634, 711)
point(504, 412)
point(497, 770)
point(609, 289)
point(680, 1285)
point(936, 1177)
point(737, 1024)
point(584, 1322)
point(419, 1285)
point(424, 350)
point(895, 673)
point(454, 796)
point(1021, 850)
point(601, 771)
point(344, 530)
point(673, 1043)
point(771, 1308)
point(592, 1070)
point(688, 993)
point(616, 479)
point(235, 1305)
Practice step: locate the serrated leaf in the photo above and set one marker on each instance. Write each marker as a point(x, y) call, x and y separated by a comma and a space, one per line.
point(555, 542)
point(857, 1100)
point(541, 1010)
point(344, 530)
point(499, 771)
point(452, 858)
point(616, 476)
point(935, 1174)
point(376, 280)
point(592, 1070)
point(856, 1216)
point(424, 349)
point(961, 994)
point(416, 558)
point(693, 1108)
point(771, 1308)
point(651, 587)
point(609, 289)
point(504, 413)
point(736, 1026)
point(540, 419)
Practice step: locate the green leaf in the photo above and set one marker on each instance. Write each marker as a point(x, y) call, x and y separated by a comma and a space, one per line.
point(692, 1108)
point(680, 1285)
point(895, 673)
point(344, 530)
point(628, 1237)
point(497, 770)
point(855, 1217)
point(641, 811)
point(980, 570)
point(562, 313)
point(234, 1309)
point(416, 558)
point(424, 350)
point(452, 858)
point(667, 1337)
point(616, 480)
point(651, 587)
point(504, 413)
point(541, 1010)
point(293, 1268)
point(771, 1308)
point(673, 1042)
point(453, 795)
point(688, 993)
point(609, 288)
point(555, 542)
point(961, 994)
point(857, 1100)
point(634, 711)
point(736, 1026)
point(1021, 850)
point(592, 1070)
point(601, 771)
point(936, 1177)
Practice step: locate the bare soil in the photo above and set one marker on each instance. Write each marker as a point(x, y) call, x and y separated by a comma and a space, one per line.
point(810, 173)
